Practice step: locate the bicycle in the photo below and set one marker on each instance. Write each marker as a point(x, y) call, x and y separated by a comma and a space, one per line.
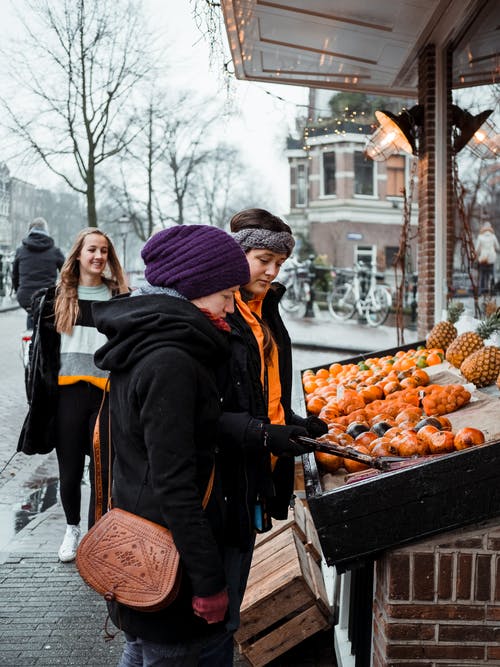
point(356, 290)
point(297, 278)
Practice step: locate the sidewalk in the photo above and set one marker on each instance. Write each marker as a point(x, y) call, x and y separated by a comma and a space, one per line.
point(8, 303)
point(50, 617)
point(323, 333)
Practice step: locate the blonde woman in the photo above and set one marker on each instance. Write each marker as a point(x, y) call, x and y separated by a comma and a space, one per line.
point(65, 388)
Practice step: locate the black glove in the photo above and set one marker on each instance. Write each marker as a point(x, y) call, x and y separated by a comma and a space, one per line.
point(315, 427)
point(279, 440)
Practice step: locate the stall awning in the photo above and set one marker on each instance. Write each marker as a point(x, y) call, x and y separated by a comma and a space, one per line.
point(359, 45)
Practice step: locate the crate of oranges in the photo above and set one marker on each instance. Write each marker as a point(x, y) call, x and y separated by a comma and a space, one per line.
point(407, 405)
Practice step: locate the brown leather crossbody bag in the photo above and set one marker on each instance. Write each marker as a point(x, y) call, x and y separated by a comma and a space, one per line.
point(125, 557)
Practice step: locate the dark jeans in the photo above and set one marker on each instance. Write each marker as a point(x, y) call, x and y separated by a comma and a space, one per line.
point(485, 278)
point(77, 411)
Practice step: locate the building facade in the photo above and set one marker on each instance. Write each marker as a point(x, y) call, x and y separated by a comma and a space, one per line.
point(21, 201)
point(349, 207)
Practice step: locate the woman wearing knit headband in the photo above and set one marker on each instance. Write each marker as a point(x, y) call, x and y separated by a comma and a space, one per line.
point(258, 425)
point(165, 344)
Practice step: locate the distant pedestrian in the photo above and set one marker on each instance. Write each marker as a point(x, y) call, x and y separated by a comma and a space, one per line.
point(35, 265)
point(65, 387)
point(486, 247)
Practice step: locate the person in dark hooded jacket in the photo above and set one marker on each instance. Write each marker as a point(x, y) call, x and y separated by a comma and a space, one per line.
point(165, 344)
point(258, 429)
point(35, 265)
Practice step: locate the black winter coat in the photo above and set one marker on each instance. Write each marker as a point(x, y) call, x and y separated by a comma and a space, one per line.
point(38, 434)
point(162, 353)
point(35, 266)
point(247, 469)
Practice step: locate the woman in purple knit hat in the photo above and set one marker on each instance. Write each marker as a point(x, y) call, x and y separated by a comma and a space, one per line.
point(166, 344)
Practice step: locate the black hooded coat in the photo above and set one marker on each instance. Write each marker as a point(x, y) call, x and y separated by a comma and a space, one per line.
point(163, 353)
point(35, 265)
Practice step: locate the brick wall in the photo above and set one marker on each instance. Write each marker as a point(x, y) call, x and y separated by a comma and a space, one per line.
point(438, 602)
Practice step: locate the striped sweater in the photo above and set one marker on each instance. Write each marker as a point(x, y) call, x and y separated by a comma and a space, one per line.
point(77, 349)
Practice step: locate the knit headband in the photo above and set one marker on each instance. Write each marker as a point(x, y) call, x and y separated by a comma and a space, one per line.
point(280, 242)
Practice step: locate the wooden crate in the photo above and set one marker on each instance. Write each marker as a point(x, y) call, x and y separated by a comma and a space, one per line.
point(286, 600)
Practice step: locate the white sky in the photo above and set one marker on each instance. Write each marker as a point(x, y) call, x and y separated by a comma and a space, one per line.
point(263, 121)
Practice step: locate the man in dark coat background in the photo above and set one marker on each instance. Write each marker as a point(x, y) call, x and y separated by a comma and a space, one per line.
point(36, 263)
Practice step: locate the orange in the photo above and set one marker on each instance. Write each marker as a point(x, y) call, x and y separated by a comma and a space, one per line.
point(335, 369)
point(433, 359)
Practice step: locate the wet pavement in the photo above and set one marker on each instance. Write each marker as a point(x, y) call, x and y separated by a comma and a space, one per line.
point(47, 615)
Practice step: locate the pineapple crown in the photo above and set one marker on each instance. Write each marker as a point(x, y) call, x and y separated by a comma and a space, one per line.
point(455, 309)
point(489, 325)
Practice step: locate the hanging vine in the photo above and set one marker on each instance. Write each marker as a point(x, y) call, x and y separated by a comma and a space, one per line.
point(402, 261)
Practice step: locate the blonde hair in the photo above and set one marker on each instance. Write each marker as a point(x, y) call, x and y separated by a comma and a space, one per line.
point(66, 302)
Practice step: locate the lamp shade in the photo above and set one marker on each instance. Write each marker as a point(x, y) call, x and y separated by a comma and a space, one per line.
point(396, 133)
point(469, 127)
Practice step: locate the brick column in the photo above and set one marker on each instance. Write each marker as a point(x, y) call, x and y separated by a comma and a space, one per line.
point(426, 191)
point(450, 247)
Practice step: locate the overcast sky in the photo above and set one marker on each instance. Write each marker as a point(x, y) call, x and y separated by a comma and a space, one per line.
point(264, 113)
point(263, 118)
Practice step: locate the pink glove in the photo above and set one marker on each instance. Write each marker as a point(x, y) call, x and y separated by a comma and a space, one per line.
point(212, 608)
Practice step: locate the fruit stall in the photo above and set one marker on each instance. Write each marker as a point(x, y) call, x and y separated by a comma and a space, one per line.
point(412, 451)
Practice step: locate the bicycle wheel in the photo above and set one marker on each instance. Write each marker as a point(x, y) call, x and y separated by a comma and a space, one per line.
point(341, 302)
point(292, 303)
point(378, 305)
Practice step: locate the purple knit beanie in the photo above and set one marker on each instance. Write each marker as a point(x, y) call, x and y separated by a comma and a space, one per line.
point(195, 260)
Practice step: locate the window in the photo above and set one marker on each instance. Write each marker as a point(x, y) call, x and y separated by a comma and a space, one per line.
point(395, 175)
point(301, 197)
point(363, 175)
point(366, 255)
point(329, 183)
point(391, 253)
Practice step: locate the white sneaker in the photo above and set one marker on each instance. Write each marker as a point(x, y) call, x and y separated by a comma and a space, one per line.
point(67, 550)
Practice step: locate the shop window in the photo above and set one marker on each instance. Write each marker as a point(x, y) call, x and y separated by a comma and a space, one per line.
point(301, 197)
point(363, 175)
point(329, 183)
point(396, 168)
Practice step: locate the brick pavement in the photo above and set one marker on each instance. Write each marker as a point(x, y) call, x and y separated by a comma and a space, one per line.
point(48, 616)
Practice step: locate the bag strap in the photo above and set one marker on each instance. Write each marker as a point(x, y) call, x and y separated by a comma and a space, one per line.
point(96, 445)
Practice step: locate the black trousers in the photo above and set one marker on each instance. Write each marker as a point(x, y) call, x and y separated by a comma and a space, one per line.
point(77, 410)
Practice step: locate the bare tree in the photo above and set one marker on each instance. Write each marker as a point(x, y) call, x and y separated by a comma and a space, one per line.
point(187, 149)
point(76, 75)
point(160, 171)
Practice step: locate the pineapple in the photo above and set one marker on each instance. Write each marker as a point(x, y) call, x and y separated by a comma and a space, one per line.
point(443, 333)
point(482, 366)
point(470, 341)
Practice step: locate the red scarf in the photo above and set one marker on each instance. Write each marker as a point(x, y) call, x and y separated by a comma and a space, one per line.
point(219, 322)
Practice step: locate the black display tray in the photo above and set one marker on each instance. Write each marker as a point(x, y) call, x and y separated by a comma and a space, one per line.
point(358, 520)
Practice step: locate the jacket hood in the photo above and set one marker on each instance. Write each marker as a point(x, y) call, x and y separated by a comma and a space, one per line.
point(38, 242)
point(137, 326)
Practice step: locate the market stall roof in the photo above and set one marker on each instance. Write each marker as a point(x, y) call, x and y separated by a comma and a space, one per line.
point(361, 45)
